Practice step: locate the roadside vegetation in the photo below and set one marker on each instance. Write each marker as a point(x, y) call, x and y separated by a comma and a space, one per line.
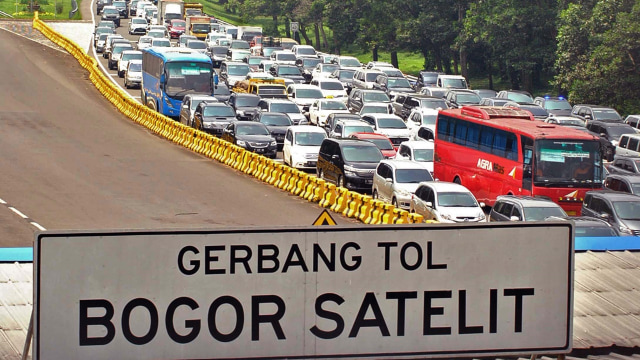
point(48, 9)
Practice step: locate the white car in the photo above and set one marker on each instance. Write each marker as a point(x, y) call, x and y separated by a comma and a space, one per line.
point(376, 108)
point(138, 26)
point(419, 152)
point(144, 42)
point(323, 70)
point(395, 181)
point(446, 202)
point(133, 74)
point(304, 95)
point(422, 124)
point(161, 43)
point(320, 110)
point(331, 89)
point(302, 145)
point(348, 62)
point(283, 57)
point(389, 125)
point(126, 56)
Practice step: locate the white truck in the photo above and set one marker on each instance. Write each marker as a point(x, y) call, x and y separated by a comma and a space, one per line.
point(169, 10)
point(247, 33)
point(452, 82)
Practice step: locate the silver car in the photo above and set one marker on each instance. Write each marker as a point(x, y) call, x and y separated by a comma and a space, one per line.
point(395, 181)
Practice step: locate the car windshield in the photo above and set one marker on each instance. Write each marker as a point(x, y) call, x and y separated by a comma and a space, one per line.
point(371, 77)
point(309, 93)
point(128, 57)
point(606, 114)
point(139, 21)
point(429, 119)
point(576, 121)
point(187, 77)
point(120, 48)
point(391, 123)
point(429, 78)
point(179, 24)
point(222, 111)
point(333, 105)
point(433, 103)
point(391, 72)
point(374, 109)
point(330, 85)
point(288, 70)
point(349, 62)
point(306, 51)
point(358, 153)
point(156, 34)
point(541, 213)
point(456, 199)
point(219, 50)
point(185, 38)
point(398, 83)
point(423, 154)
point(238, 70)
point(310, 138)
point(346, 75)
point(456, 83)
point(197, 45)
point(286, 57)
point(412, 176)
point(382, 144)
point(135, 67)
point(222, 90)
point(145, 40)
point(616, 131)
point(110, 11)
point(287, 108)
point(557, 105)
point(276, 120)
point(245, 129)
point(536, 110)
point(519, 97)
point(435, 92)
point(162, 42)
point(375, 97)
point(627, 210)
point(352, 129)
point(254, 60)
point(247, 101)
point(327, 68)
point(567, 162)
point(240, 45)
point(468, 98)
point(201, 28)
point(310, 63)
point(594, 231)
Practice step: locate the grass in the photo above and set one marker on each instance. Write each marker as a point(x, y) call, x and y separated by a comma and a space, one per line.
point(47, 9)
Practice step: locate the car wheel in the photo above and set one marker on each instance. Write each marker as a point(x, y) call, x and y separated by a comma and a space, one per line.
point(375, 194)
point(395, 204)
point(120, 74)
point(340, 181)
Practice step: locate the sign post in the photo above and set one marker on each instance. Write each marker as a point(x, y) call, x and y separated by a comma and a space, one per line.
point(393, 292)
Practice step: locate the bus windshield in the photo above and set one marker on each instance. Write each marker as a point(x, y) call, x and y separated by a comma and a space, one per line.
point(567, 162)
point(187, 78)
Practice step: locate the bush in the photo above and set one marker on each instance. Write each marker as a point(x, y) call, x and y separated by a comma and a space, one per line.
point(59, 7)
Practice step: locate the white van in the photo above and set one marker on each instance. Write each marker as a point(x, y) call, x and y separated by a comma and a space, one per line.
point(140, 8)
point(452, 82)
point(629, 145)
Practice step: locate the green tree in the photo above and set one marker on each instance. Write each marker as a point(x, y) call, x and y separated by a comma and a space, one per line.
point(342, 18)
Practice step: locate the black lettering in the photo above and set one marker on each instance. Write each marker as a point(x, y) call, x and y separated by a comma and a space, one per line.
point(294, 252)
point(493, 311)
point(430, 311)
point(403, 256)
point(104, 320)
point(318, 253)
point(209, 258)
point(369, 301)
point(518, 294)
point(332, 334)
point(462, 316)
point(235, 259)
point(430, 264)
point(213, 327)
point(356, 260)
point(126, 321)
point(194, 325)
point(273, 319)
point(195, 264)
point(262, 257)
point(387, 252)
point(402, 296)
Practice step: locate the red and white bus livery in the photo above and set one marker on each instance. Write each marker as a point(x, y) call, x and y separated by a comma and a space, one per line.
point(499, 151)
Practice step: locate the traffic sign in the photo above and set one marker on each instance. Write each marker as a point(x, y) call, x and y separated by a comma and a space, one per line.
point(392, 292)
point(324, 219)
point(294, 26)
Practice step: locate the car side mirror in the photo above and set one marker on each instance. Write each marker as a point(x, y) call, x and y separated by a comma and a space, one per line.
point(388, 180)
point(335, 157)
point(605, 216)
point(482, 204)
point(185, 106)
point(429, 204)
point(514, 218)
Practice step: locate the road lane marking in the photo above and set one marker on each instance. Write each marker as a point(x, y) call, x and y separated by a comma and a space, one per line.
point(18, 212)
point(3, 202)
point(38, 226)
point(22, 215)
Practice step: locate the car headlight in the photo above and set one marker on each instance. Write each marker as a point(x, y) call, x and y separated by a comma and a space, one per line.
point(350, 170)
point(310, 156)
point(625, 230)
point(447, 217)
point(241, 143)
point(482, 216)
point(404, 193)
point(273, 143)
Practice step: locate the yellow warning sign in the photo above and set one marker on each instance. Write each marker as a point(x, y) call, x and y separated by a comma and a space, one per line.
point(324, 219)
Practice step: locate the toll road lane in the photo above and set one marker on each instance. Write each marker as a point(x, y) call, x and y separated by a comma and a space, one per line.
point(71, 161)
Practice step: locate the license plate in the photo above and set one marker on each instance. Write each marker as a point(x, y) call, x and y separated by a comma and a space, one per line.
point(571, 213)
point(368, 181)
point(259, 151)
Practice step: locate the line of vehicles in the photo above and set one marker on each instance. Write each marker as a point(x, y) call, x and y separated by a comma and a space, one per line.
point(432, 146)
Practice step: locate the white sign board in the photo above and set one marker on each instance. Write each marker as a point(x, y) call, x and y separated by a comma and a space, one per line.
point(294, 26)
point(329, 292)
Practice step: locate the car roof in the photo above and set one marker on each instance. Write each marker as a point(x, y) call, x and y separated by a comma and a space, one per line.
point(610, 124)
point(634, 179)
point(352, 122)
point(307, 128)
point(527, 201)
point(385, 116)
point(261, 113)
point(417, 144)
point(271, 101)
point(403, 164)
point(135, 61)
point(614, 195)
point(351, 141)
point(363, 135)
point(443, 186)
point(131, 52)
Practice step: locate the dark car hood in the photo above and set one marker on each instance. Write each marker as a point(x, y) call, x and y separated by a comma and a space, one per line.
point(255, 138)
point(277, 129)
point(631, 224)
point(402, 90)
point(566, 112)
point(221, 98)
point(251, 109)
point(362, 165)
point(219, 119)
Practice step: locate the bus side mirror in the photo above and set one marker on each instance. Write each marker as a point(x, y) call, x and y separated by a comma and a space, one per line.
point(162, 79)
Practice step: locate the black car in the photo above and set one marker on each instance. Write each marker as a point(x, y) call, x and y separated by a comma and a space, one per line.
point(610, 132)
point(100, 4)
point(555, 105)
point(213, 117)
point(485, 93)
point(392, 85)
point(538, 112)
point(403, 104)
point(622, 210)
point(586, 226)
point(277, 123)
point(624, 183)
point(345, 76)
point(217, 54)
point(625, 166)
point(520, 96)
point(426, 79)
point(111, 13)
point(333, 118)
point(253, 136)
point(221, 92)
point(306, 65)
point(288, 72)
point(348, 163)
point(121, 5)
point(245, 105)
point(456, 98)
point(589, 112)
point(358, 97)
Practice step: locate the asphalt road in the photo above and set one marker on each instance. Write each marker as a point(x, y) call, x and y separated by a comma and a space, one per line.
point(71, 161)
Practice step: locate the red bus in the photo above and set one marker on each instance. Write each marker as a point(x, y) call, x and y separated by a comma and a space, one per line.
point(499, 151)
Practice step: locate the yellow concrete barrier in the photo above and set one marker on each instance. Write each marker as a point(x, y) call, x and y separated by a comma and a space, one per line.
point(330, 196)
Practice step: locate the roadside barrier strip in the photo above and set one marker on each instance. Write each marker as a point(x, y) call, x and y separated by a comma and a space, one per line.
point(339, 200)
